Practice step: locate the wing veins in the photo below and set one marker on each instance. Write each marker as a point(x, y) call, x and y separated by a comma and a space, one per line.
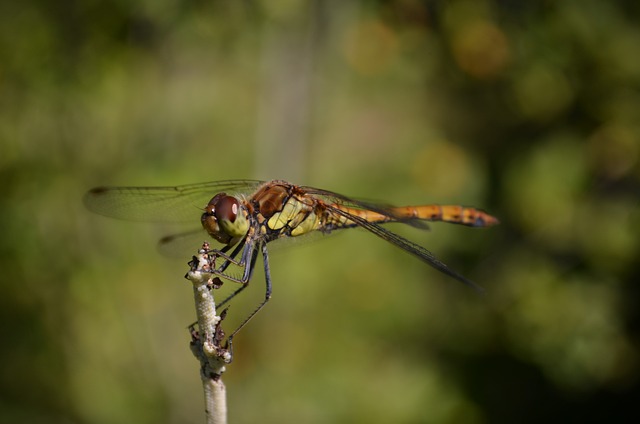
point(159, 204)
point(382, 209)
point(407, 245)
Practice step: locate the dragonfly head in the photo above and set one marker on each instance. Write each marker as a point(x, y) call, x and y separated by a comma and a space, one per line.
point(225, 219)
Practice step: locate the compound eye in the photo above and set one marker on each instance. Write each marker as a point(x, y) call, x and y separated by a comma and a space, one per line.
point(226, 209)
point(209, 210)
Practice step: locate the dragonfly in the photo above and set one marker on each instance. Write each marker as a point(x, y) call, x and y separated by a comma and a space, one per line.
point(244, 216)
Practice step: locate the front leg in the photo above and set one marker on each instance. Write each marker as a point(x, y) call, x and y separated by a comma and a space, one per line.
point(229, 259)
point(249, 257)
point(267, 295)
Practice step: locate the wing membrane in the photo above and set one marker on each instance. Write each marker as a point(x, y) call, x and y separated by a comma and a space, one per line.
point(408, 246)
point(382, 209)
point(160, 204)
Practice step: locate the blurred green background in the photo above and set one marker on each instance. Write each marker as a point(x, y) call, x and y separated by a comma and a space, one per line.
point(530, 110)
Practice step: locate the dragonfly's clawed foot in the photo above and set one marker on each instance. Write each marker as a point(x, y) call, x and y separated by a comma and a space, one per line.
point(215, 283)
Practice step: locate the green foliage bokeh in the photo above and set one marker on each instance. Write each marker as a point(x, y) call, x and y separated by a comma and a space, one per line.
point(528, 110)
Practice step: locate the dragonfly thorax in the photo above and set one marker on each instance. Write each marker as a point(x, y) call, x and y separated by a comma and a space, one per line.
point(225, 219)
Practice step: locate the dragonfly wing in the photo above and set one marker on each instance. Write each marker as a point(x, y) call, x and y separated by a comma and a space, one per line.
point(160, 204)
point(175, 245)
point(408, 246)
point(386, 210)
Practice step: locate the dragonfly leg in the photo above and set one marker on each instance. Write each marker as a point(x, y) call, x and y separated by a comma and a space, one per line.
point(229, 259)
point(267, 295)
point(246, 277)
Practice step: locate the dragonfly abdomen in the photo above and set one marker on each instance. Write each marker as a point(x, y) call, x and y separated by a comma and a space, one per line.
point(455, 214)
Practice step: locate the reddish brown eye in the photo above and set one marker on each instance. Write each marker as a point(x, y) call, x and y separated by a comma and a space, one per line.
point(217, 208)
point(226, 209)
point(210, 209)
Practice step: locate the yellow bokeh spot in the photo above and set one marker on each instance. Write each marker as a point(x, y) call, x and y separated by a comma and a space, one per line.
point(443, 169)
point(481, 49)
point(542, 93)
point(370, 47)
point(613, 150)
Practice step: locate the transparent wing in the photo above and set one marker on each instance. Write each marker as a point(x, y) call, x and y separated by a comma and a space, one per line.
point(161, 204)
point(406, 245)
point(383, 209)
point(178, 245)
